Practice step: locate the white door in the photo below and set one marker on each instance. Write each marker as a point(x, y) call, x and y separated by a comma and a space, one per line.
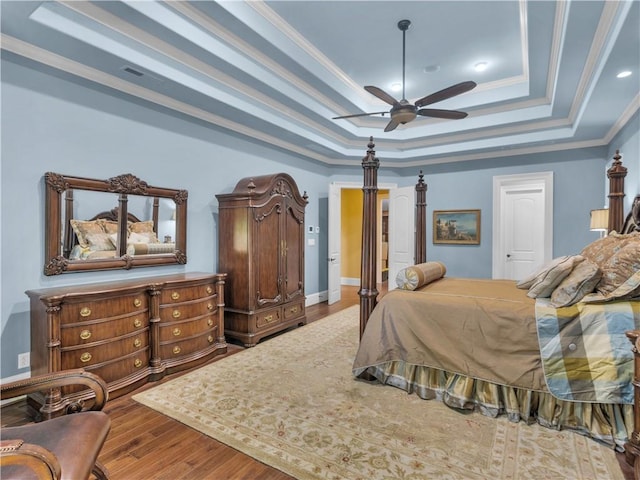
point(523, 224)
point(401, 231)
point(334, 243)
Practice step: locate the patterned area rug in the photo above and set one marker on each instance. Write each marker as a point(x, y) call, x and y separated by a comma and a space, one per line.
point(291, 402)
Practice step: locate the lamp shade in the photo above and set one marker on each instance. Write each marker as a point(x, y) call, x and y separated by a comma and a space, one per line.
point(600, 220)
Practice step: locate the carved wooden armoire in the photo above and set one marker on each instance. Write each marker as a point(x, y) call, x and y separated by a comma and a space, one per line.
point(261, 248)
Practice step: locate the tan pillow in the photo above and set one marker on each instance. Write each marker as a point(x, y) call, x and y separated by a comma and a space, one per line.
point(581, 281)
point(144, 228)
point(138, 238)
point(599, 251)
point(100, 242)
point(629, 289)
point(547, 279)
point(109, 226)
point(419, 275)
point(526, 283)
point(82, 228)
point(621, 266)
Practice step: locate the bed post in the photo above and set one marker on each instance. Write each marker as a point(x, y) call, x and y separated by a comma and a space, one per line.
point(616, 176)
point(421, 220)
point(368, 292)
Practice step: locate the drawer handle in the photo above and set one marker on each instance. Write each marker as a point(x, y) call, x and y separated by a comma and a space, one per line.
point(210, 338)
point(293, 309)
point(137, 342)
point(85, 357)
point(137, 363)
point(210, 306)
point(85, 334)
point(137, 302)
point(175, 295)
point(269, 318)
point(85, 312)
point(209, 290)
point(209, 322)
point(176, 350)
point(176, 332)
point(137, 323)
point(176, 314)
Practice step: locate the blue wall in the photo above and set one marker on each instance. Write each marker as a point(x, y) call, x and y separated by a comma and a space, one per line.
point(51, 123)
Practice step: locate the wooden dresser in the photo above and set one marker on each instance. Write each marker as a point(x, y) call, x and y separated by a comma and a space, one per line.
point(261, 248)
point(128, 332)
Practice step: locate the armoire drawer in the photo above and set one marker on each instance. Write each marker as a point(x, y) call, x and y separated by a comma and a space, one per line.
point(293, 310)
point(185, 329)
point(268, 318)
point(103, 329)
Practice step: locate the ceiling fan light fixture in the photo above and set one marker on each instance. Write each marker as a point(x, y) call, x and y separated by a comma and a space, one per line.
point(396, 86)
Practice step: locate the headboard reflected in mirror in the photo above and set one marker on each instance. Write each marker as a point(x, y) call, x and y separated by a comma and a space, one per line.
point(118, 223)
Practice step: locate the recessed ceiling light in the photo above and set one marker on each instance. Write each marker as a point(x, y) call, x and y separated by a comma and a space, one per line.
point(623, 74)
point(396, 87)
point(480, 66)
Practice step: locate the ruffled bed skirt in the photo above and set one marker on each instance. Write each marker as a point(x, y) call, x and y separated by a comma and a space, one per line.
point(611, 424)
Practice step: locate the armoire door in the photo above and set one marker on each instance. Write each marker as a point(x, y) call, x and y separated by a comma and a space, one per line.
point(267, 275)
point(293, 252)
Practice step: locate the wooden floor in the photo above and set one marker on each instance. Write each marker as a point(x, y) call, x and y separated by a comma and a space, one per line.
point(147, 445)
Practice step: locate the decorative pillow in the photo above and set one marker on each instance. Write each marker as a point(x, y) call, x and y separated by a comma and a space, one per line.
point(581, 281)
point(82, 228)
point(629, 289)
point(621, 266)
point(547, 279)
point(99, 242)
point(138, 238)
point(419, 275)
point(599, 251)
point(150, 248)
point(526, 283)
point(109, 226)
point(144, 228)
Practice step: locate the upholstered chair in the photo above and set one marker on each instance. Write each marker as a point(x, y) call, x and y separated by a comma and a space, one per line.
point(65, 447)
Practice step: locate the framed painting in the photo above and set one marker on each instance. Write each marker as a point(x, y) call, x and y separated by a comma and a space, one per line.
point(457, 227)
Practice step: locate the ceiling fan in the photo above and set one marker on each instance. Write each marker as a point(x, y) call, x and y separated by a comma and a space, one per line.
point(402, 111)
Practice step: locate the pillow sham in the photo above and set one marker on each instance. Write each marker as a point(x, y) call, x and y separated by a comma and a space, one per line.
point(629, 289)
point(109, 226)
point(419, 275)
point(100, 242)
point(582, 280)
point(622, 265)
point(549, 277)
point(526, 283)
point(599, 251)
point(144, 228)
point(83, 227)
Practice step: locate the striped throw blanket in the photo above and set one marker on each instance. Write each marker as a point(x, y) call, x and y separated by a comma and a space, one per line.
point(586, 356)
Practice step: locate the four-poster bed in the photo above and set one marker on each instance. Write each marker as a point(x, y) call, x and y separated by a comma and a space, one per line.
point(477, 344)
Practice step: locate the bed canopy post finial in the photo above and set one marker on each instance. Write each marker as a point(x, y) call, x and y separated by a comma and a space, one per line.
point(421, 220)
point(368, 292)
point(616, 176)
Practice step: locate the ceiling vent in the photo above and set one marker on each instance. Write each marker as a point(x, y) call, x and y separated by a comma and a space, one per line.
point(133, 71)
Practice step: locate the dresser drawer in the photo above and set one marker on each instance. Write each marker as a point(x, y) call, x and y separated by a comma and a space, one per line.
point(84, 356)
point(171, 295)
point(293, 310)
point(187, 346)
point(186, 310)
point(103, 329)
point(268, 318)
point(178, 330)
point(85, 311)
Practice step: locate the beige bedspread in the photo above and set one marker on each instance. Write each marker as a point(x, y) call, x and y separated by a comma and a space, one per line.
point(489, 335)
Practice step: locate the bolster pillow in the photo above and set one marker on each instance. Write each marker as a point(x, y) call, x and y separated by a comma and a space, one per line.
point(419, 275)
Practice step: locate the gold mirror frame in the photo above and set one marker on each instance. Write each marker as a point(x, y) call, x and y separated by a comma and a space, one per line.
point(59, 190)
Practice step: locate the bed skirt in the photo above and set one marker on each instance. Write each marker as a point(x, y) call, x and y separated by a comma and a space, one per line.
point(610, 424)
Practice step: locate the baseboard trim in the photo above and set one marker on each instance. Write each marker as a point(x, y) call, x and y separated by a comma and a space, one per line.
point(353, 282)
point(316, 298)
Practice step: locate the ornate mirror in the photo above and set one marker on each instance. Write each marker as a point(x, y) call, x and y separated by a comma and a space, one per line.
point(121, 222)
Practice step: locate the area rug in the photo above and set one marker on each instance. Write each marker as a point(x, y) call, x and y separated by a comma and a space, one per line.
point(291, 402)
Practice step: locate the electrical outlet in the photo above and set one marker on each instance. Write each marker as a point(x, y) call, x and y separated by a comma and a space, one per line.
point(24, 360)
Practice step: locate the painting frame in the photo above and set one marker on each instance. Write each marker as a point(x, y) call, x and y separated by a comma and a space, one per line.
point(445, 233)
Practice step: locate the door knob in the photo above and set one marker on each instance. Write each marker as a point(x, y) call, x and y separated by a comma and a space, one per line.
point(508, 255)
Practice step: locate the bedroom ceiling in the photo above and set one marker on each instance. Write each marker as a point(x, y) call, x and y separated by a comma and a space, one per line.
point(278, 71)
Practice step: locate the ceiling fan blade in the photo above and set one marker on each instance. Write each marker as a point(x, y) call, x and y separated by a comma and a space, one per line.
point(360, 115)
point(448, 92)
point(437, 113)
point(391, 126)
point(381, 94)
